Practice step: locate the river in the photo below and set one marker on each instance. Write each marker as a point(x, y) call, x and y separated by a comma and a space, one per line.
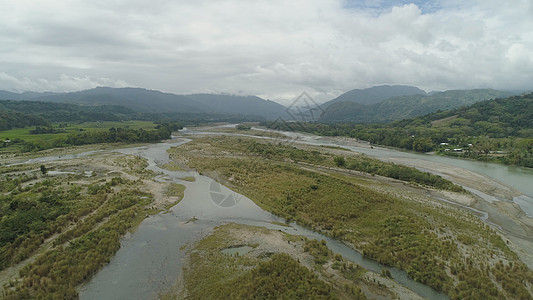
point(150, 259)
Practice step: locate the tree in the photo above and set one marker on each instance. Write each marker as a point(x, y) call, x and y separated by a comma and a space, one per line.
point(422, 145)
point(339, 161)
point(43, 169)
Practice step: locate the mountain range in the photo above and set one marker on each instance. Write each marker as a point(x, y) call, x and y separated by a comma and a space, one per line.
point(390, 103)
point(375, 94)
point(377, 104)
point(150, 101)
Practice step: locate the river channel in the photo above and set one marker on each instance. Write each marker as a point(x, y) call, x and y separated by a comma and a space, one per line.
point(150, 259)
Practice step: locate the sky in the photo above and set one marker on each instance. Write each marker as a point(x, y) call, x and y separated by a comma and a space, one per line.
point(275, 49)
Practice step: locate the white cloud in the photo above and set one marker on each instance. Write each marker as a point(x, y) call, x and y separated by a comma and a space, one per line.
point(275, 49)
point(63, 83)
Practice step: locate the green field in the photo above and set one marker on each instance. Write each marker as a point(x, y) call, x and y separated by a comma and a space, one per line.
point(24, 133)
point(63, 134)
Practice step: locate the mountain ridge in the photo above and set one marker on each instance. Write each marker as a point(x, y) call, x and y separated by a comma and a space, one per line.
point(408, 106)
point(153, 101)
point(379, 104)
point(375, 94)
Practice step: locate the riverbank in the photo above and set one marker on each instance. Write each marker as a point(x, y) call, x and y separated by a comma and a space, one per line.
point(488, 195)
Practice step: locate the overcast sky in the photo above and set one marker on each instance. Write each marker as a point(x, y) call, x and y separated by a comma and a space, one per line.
point(275, 49)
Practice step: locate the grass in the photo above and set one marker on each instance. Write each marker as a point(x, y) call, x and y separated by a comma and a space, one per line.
point(211, 274)
point(320, 156)
point(280, 224)
point(188, 178)
point(253, 132)
point(175, 190)
point(424, 238)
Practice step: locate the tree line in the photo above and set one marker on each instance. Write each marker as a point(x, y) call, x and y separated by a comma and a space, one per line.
point(113, 135)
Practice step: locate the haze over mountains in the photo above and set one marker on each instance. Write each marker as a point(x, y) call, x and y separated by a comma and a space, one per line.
point(375, 104)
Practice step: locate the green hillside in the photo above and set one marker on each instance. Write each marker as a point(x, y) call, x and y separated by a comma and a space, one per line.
point(15, 119)
point(19, 114)
point(401, 107)
point(375, 94)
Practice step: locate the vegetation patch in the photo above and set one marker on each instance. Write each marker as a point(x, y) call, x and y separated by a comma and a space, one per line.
point(259, 273)
point(177, 191)
point(280, 224)
point(56, 135)
point(189, 178)
point(251, 148)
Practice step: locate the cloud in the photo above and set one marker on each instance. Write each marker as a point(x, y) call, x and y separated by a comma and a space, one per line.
point(63, 83)
point(275, 49)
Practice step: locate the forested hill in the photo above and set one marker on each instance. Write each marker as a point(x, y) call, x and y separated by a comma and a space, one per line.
point(375, 94)
point(498, 118)
point(5, 95)
point(402, 107)
point(15, 119)
point(18, 114)
point(151, 101)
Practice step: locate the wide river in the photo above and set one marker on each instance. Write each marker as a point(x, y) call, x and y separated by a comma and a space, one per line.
point(150, 259)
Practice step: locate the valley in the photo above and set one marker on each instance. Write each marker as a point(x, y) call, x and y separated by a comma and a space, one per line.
point(219, 207)
point(404, 224)
point(226, 149)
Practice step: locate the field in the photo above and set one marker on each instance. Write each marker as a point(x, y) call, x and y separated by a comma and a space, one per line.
point(24, 133)
point(32, 139)
point(66, 129)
